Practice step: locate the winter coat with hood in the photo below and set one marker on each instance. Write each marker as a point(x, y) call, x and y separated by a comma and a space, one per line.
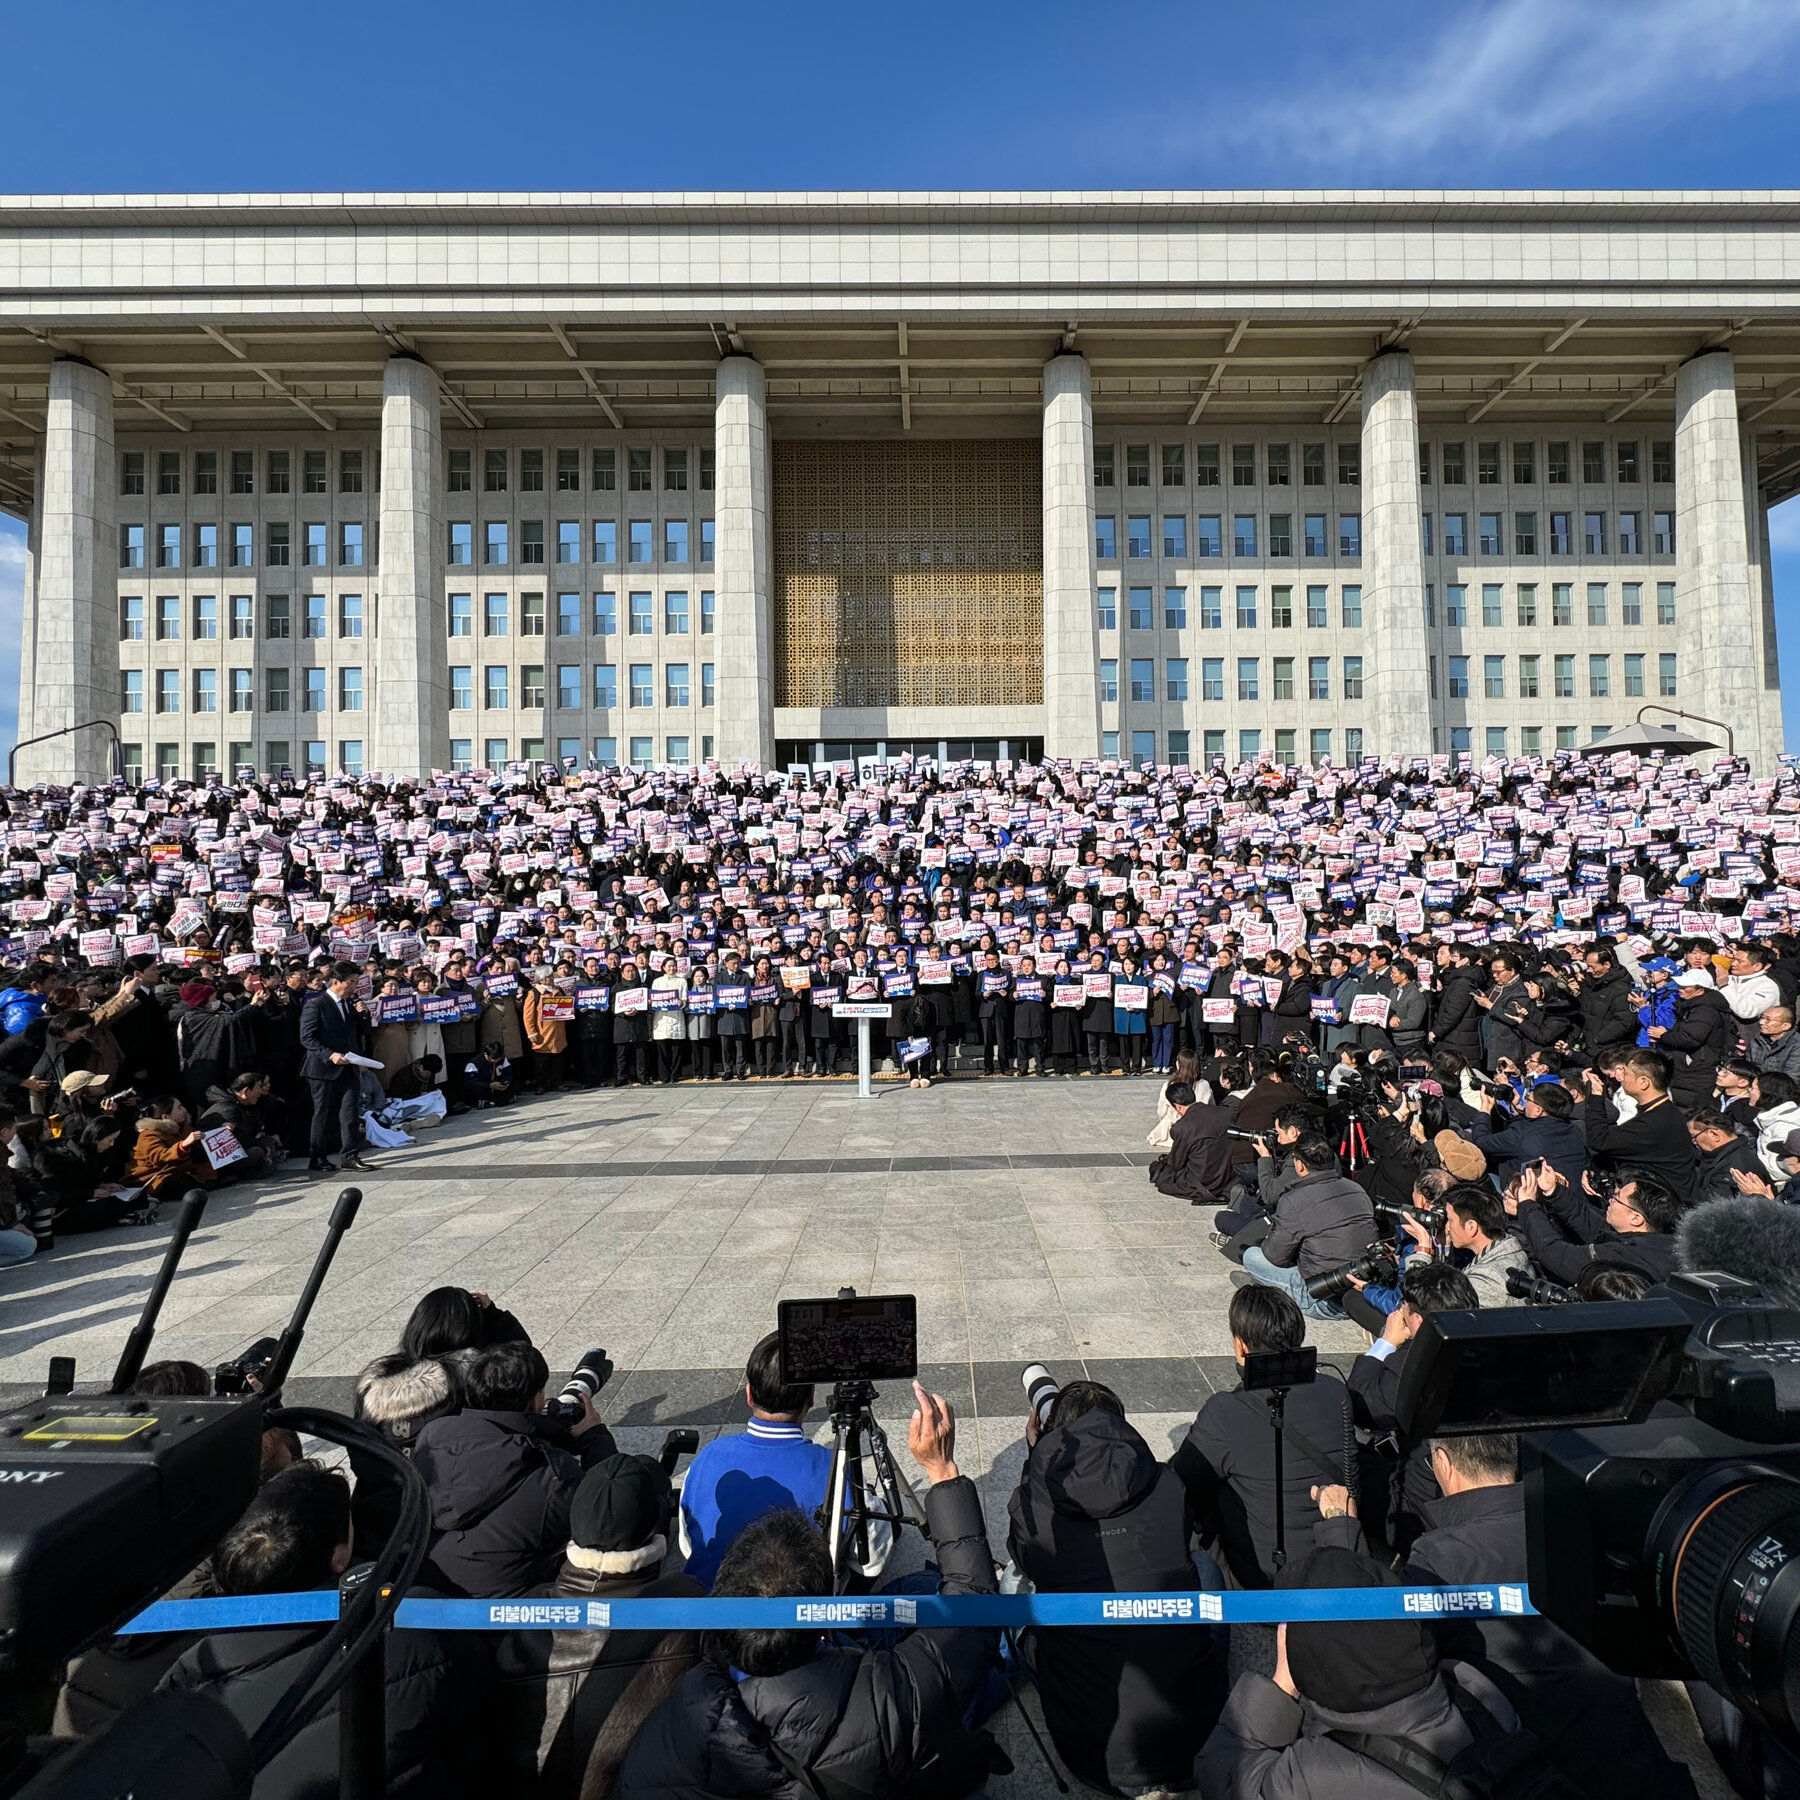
point(1703, 1035)
point(1609, 1021)
point(399, 1398)
point(159, 1163)
point(1456, 1019)
point(861, 1722)
point(1095, 1512)
point(500, 1485)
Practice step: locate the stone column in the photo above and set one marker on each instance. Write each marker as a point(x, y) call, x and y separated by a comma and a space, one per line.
point(1393, 573)
point(411, 727)
point(1719, 674)
point(34, 533)
point(1771, 740)
point(745, 717)
point(70, 655)
point(1071, 628)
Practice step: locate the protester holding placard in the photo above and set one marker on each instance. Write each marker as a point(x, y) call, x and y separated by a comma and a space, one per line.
point(631, 1028)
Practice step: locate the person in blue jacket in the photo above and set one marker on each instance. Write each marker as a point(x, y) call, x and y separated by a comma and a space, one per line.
point(1656, 1000)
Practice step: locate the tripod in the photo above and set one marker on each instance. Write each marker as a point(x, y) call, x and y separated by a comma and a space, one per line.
point(847, 1514)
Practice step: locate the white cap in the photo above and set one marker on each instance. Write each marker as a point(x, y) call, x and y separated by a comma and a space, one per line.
point(1693, 978)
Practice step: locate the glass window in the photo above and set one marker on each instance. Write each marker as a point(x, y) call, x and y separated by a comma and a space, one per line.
point(1282, 676)
point(350, 756)
point(1627, 457)
point(278, 615)
point(131, 473)
point(1243, 534)
point(706, 541)
point(314, 698)
point(1174, 535)
point(493, 753)
point(1249, 746)
point(643, 687)
point(1631, 603)
point(1487, 464)
point(168, 690)
point(1243, 465)
point(243, 546)
point(462, 615)
point(1137, 465)
point(1349, 464)
point(1212, 611)
point(531, 615)
point(206, 615)
point(1212, 678)
point(675, 684)
point(606, 615)
point(1424, 466)
point(1137, 537)
point(1350, 534)
point(1318, 678)
point(1279, 464)
point(1103, 466)
point(312, 471)
point(131, 690)
point(1491, 604)
point(1312, 465)
point(462, 543)
point(1562, 603)
point(1143, 678)
point(1281, 534)
point(168, 471)
point(1593, 462)
point(1630, 541)
point(1596, 603)
point(1662, 537)
point(168, 617)
point(1490, 534)
point(206, 546)
point(1106, 608)
point(1247, 678)
point(1106, 547)
point(1206, 465)
point(1317, 608)
point(568, 615)
point(531, 540)
point(708, 612)
point(350, 546)
point(1206, 535)
point(640, 547)
point(1564, 677)
point(1109, 679)
point(1556, 464)
point(1665, 603)
point(1314, 533)
point(1140, 613)
point(350, 615)
point(1524, 464)
point(494, 686)
point(708, 692)
point(1456, 604)
point(275, 480)
point(676, 750)
point(457, 472)
point(462, 755)
point(1213, 746)
point(1594, 533)
point(276, 689)
point(1527, 604)
point(706, 469)
point(131, 546)
point(1496, 740)
point(350, 690)
point(1456, 539)
point(606, 477)
point(1173, 472)
point(1525, 534)
point(531, 684)
point(1459, 678)
point(493, 472)
point(1178, 749)
point(1599, 677)
point(168, 546)
point(1352, 607)
point(494, 620)
point(568, 471)
point(1143, 749)
point(1455, 461)
point(1177, 671)
point(1174, 609)
point(675, 614)
point(1246, 609)
point(1424, 534)
point(606, 541)
point(462, 687)
point(350, 471)
point(568, 540)
point(131, 617)
point(1634, 675)
point(494, 552)
point(1430, 608)
point(531, 471)
point(1529, 679)
point(606, 752)
point(1281, 608)
point(1493, 677)
point(606, 685)
point(637, 471)
point(1561, 537)
point(675, 541)
point(1353, 677)
point(642, 617)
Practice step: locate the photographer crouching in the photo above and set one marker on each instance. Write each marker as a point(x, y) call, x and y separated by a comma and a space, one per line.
point(1627, 1218)
point(1322, 1222)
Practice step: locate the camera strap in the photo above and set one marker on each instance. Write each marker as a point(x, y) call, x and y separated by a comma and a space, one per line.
point(1313, 1453)
point(1497, 1764)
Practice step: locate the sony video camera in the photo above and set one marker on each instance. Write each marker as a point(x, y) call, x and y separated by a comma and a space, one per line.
point(1660, 1450)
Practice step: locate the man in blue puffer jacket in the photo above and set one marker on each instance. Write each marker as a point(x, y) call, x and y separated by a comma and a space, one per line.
point(24, 1001)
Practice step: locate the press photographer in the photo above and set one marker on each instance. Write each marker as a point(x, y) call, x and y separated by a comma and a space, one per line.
point(1473, 1223)
point(1626, 1218)
point(1323, 1221)
point(1654, 1138)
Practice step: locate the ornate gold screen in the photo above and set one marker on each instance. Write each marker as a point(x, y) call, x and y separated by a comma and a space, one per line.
point(909, 574)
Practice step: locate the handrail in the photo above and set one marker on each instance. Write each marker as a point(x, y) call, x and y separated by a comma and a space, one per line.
point(43, 737)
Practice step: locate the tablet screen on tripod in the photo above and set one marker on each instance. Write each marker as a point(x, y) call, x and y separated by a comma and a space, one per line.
point(872, 1337)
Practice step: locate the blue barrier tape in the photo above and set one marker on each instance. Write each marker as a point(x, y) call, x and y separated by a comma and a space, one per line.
point(1013, 1610)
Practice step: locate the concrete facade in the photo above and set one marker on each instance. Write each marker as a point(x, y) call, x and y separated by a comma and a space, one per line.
point(1323, 475)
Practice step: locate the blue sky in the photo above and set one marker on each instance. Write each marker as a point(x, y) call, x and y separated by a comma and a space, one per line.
point(1511, 93)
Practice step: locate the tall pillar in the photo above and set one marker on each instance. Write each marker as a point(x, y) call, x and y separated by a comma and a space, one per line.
point(70, 657)
point(1771, 739)
point(1399, 694)
point(1719, 675)
point(412, 674)
point(34, 534)
point(741, 565)
point(1071, 624)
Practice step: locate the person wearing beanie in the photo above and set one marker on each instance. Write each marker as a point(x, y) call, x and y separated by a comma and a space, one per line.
point(214, 1045)
point(1378, 1681)
point(572, 1700)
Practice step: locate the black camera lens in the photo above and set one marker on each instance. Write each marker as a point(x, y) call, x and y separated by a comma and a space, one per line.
point(1727, 1546)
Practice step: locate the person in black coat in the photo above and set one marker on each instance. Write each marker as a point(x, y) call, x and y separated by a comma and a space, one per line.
point(1609, 1020)
point(1544, 1128)
point(1586, 1717)
point(630, 1031)
point(1655, 1138)
point(1705, 1032)
point(1198, 1165)
point(1097, 1018)
point(501, 1476)
point(328, 1034)
point(1455, 1018)
point(1095, 1512)
point(793, 1713)
point(1721, 1150)
point(1565, 1228)
point(1030, 1011)
point(284, 1543)
point(993, 1005)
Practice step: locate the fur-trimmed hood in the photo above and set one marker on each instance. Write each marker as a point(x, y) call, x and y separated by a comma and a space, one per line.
point(401, 1400)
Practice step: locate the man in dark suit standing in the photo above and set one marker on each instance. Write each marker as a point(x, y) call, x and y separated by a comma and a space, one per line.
point(327, 1036)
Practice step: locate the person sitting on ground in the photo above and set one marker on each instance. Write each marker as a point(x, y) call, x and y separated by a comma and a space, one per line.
point(1627, 1218)
point(293, 1537)
point(1478, 1235)
point(1544, 1127)
point(451, 1318)
point(783, 1713)
point(1587, 1718)
point(418, 1079)
point(501, 1476)
point(1227, 1460)
point(487, 1079)
point(1197, 1167)
point(1095, 1512)
point(239, 1109)
point(571, 1700)
point(1323, 1221)
point(772, 1463)
point(167, 1157)
point(1721, 1152)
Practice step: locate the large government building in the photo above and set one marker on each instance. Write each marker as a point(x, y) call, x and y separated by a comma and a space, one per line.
point(396, 482)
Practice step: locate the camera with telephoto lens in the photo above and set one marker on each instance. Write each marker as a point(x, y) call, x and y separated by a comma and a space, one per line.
point(1537, 1290)
point(1252, 1137)
point(1660, 1453)
point(1376, 1267)
point(576, 1394)
point(242, 1374)
point(1041, 1389)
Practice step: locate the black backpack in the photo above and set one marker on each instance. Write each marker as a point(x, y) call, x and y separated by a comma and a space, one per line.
point(1498, 1765)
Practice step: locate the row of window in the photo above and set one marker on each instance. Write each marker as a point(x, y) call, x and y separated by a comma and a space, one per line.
point(239, 619)
point(1493, 462)
point(279, 691)
point(1250, 745)
point(1140, 608)
point(352, 544)
point(640, 542)
point(497, 471)
point(1562, 676)
point(602, 619)
point(1562, 603)
point(1626, 536)
point(571, 687)
point(496, 754)
point(1143, 685)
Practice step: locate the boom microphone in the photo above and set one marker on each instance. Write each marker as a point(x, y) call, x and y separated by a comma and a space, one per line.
point(1756, 1240)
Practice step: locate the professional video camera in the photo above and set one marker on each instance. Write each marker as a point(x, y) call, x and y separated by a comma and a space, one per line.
point(853, 1341)
point(1376, 1266)
point(1661, 1459)
point(107, 1500)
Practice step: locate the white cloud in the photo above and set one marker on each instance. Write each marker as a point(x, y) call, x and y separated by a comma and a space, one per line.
point(1521, 73)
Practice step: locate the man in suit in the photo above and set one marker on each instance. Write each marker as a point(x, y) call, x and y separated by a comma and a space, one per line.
point(327, 1036)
